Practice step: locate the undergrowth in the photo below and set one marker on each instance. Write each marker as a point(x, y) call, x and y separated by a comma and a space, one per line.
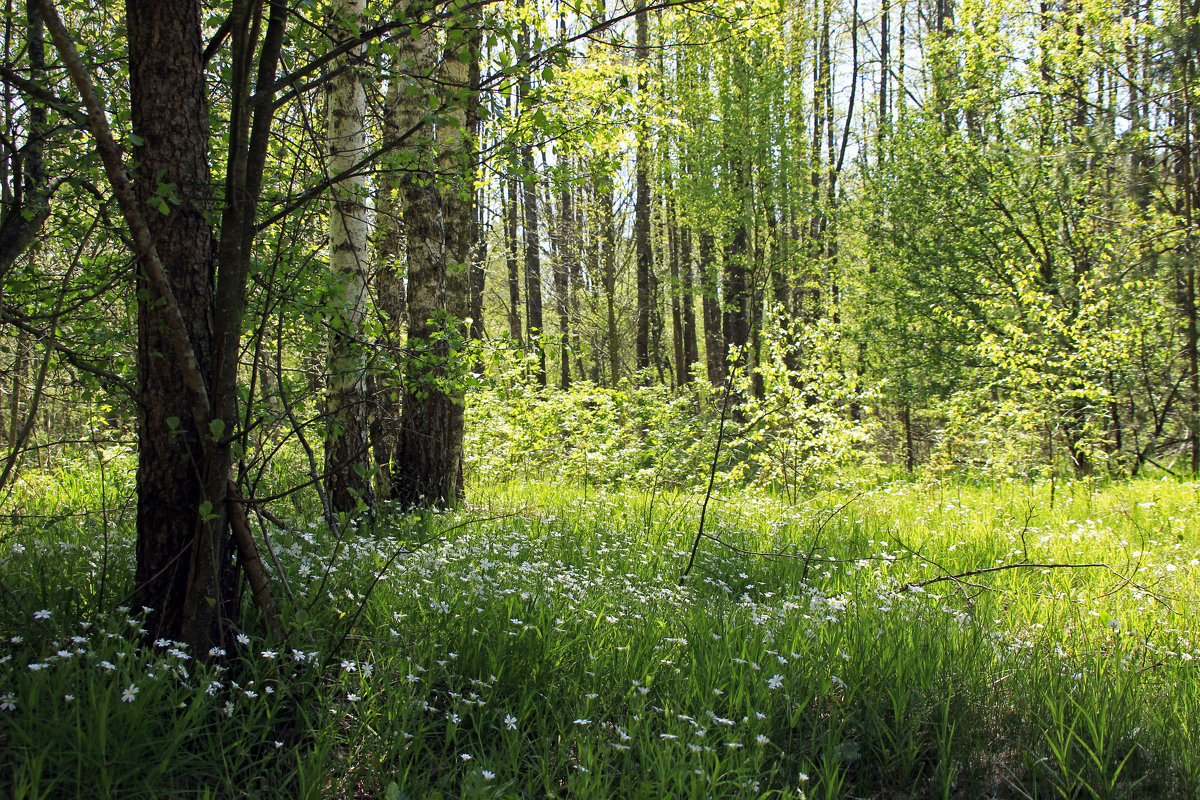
point(540, 642)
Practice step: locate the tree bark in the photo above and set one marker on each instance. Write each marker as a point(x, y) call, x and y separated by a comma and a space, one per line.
point(714, 339)
point(423, 457)
point(641, 212)
point(178, 559)
point(347, 448)
point(608, 255)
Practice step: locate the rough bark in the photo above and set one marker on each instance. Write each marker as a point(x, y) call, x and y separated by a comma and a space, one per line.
point(421, 461)
point(458, 84)
point(389, 302)
point(178, 559)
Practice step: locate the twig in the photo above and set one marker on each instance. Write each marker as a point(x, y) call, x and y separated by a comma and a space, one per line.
point(712, 475)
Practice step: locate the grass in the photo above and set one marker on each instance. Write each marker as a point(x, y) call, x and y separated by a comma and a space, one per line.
point(540, 643)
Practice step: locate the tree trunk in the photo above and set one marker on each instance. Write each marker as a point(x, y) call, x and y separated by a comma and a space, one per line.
point(641, 212)
point(691, 353)
point(459, 81)
point(389, 301)
point(347, 443)
point(512, 212)
point(423, 458)
point(608, 254)
point(177, 554)
point(714, 339)
point(562, 273)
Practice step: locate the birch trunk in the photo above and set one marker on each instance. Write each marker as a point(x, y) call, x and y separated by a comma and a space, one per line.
point(346, 443)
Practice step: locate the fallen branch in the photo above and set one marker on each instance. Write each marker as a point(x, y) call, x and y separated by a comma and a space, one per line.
point(959, 577)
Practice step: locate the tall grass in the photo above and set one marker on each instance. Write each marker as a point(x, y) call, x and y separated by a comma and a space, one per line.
point(540, 643)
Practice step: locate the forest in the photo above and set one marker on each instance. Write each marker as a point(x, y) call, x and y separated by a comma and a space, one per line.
point(600, 399)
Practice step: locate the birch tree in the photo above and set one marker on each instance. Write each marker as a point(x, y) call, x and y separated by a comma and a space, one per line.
point(346, 444)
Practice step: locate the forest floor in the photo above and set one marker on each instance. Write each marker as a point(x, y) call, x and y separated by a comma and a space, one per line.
point(899, 640)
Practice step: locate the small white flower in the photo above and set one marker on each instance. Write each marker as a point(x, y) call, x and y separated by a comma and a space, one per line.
point(69, 698)
point(582, 721)
point(352, 697)
point(42, 614)
point(8, 702)
point(775, 681)
point(510, 722)
point(278, 744)
point(17, 639)
point(130, 693)
point(349, 666)
point(243, 639)
point(228, 709)
point(107, 665)
point(465, 756)
point(762, 739)
point(487, 775)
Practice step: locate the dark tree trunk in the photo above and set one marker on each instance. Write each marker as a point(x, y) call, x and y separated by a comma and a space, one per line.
point(691, 353)
point(737, 289)
point(533, 264)
point(681, 365)
point(170, 117)
point(714, 339)
point(641, 211)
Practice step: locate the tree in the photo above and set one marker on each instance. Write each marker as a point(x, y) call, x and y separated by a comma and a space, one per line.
point(348, 480)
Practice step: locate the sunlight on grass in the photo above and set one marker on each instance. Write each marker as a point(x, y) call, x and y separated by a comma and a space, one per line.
point(540, 642)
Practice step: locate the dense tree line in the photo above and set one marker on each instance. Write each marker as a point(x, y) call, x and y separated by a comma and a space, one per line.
point(961, 233)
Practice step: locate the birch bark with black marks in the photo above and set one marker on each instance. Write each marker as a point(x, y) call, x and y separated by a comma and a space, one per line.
point(347, 463)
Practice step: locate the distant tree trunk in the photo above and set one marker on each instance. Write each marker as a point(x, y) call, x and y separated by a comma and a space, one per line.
point(533, 258)
point(737, 290)
point(562, 274)
point(673, 247)
point(691, 353)
point(180, 560)
point(608, 253)
point(641, 212)
point(512, 246)
point(533, 263)
point(714, 339)
point(347, 442)
point(26, 207)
